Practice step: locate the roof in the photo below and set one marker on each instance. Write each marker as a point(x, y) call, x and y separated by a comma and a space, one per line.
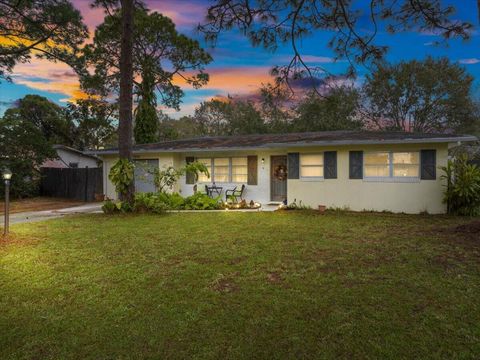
point(76, 151)
point(323, 138)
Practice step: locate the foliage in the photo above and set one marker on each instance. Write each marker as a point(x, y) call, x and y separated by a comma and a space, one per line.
point(335, 111)
point(294, 206)
point(272, 23)
point(420, 96)
point(149, 202)
point(122, 175)
point(159, 53)
point(462, 193)
point(166, 178)
point(94, 122)
point(23, 148)
point(146, 118)
point(49, 29)
point(47, 117)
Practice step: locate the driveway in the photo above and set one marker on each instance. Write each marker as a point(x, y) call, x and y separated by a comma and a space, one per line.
point(33, 216)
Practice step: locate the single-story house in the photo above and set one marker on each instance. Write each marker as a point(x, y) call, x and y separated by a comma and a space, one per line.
point(68, 157)
point(357, 170)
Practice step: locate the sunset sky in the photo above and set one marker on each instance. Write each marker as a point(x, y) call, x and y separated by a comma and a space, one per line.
point(238, 68)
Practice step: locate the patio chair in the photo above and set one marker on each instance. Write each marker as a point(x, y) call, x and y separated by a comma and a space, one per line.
point(234, 194)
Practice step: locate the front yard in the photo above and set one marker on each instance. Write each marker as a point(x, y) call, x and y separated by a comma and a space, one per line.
point(241, 285)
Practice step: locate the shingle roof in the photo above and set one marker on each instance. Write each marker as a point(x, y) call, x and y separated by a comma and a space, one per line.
point(291, 139)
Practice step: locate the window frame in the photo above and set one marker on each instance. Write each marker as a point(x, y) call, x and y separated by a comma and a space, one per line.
point(312, 178)
point(230, 167)
point(391, 177)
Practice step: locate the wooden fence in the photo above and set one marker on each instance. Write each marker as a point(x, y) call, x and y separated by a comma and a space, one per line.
point(72, 183)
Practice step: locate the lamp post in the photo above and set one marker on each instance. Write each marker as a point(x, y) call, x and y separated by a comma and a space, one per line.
point(6, 175)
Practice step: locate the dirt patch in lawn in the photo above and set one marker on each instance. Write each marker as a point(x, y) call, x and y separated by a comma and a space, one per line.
point(225, 284)
point(470, 228)
point(274, 277)
point(39, 204)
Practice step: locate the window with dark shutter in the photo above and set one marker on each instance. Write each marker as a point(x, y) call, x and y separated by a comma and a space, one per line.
point(293, 165)
point(252, 170)
point(356, 165)
point(190, 177)
point(428, 164)
point(330, 164)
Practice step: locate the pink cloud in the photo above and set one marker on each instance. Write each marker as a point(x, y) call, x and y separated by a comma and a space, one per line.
point(469, 61)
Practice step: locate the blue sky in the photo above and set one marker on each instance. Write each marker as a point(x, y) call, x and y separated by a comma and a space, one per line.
point(238, 68)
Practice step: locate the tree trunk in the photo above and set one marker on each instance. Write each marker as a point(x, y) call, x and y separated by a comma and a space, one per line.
point(125, 137)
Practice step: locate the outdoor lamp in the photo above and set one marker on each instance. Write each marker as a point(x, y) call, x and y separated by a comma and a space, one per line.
point(6, 175)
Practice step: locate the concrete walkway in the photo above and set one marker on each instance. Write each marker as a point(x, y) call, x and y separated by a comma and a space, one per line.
point(33, 216)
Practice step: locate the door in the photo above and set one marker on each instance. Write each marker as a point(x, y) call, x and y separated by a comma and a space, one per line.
point(278, 178)
point(144, 175)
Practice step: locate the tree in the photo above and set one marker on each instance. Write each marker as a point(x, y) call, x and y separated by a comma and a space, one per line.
point(23, 148)
point(420, 96)
point(50, 29)
point(337, 111)
point(146, 119)
point(171, 129)
point(94, 123)
point(45, 116)
point(352, 28)
point(161, 55)
point(125, 140)
point(211, 118)
point(244, 118)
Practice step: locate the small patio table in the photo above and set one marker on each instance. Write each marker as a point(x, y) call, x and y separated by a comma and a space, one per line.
point(212, 190)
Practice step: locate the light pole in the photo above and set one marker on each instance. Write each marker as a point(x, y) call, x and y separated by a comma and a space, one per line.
point(6, 175)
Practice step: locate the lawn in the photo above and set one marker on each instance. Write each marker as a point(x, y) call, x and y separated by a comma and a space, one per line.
point(229, 285)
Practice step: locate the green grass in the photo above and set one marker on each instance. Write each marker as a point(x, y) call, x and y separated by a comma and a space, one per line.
point(231, 285)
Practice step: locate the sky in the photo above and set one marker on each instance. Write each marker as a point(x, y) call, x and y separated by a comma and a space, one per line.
point(238, 68)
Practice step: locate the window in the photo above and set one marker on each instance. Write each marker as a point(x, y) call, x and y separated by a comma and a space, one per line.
point(406, 164)
point(391, 165)
point(311, 165)
point(221, 172)
point(239, 169)
point(201, 176)
point(73, 165)
point(225, 170)
point(377, 164)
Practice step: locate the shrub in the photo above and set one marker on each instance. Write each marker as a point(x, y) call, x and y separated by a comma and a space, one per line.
point(149, 202)
point(201, 201)
point(462, 194)
point(109, 207)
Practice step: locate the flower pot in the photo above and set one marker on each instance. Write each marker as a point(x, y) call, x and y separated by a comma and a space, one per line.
point(321, 209)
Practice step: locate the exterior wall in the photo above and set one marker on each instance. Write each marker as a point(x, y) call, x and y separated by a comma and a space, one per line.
point(409, 197)
point(68, 157)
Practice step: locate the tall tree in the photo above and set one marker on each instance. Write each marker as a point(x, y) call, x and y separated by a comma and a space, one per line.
point(48, 118)
point(422, 96)
point(125, 139)
point(94, 121)
point(161, 56)
point(50, 29)
point(336, 111)
point(351, 25)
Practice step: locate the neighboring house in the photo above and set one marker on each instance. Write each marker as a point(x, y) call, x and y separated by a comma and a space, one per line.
point(380, 171)
point(72, 158)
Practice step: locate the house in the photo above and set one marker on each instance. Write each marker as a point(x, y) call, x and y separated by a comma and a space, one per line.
point(358, 170)
point(71, 158)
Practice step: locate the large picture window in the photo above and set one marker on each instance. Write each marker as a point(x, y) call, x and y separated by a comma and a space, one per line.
point(311, 165)
point(394, 165)
point(224, 170)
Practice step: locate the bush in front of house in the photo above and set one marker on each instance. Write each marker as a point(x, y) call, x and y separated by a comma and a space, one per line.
point(160, 202)
point(462, 194)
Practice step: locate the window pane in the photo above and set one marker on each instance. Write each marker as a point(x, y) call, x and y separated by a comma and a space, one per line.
point(406, 170)
point(377, 170)
point(311, 159)
point(239, 161)
point(311, 171)
point(239, 178)
point(376, 158)
point(208, 163)
point(406, 158)
point(221, 169)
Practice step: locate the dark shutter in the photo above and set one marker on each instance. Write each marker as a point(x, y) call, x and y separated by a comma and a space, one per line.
point(356, 165)
point(190, 177)
point(252, 170)
point(293, 165)
point(428, 164)
point(330, 164)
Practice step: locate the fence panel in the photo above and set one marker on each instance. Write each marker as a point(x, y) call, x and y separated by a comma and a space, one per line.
point(72, 183)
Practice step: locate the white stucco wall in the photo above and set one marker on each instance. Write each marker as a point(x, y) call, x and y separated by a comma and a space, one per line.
point(358, 195)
